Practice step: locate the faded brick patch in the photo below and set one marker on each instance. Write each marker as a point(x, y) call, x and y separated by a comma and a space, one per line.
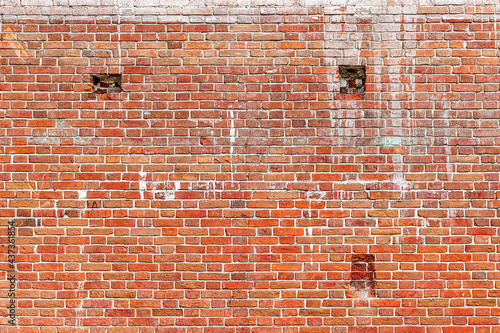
point(362, 271)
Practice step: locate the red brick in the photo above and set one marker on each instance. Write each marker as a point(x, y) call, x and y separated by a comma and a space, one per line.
point(231, 183)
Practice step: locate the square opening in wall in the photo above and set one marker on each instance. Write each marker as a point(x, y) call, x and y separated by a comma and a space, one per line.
point(107, 83)
point(352, 79)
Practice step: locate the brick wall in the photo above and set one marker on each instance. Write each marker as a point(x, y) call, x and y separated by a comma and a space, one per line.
point(226, 178)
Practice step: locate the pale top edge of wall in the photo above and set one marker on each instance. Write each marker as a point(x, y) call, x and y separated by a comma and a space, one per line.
point(239, 3)
point(212, 10)
point(62, 5)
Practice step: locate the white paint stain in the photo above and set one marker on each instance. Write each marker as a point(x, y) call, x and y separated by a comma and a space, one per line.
point(213, 186)
point(170, 194)
point(232, 131)
point(363, 294)
point(156, 191)
point(143, 184)
point(392, 141)
point(82, 194)
point(316, 194)
point(400, 181)
point(232, 138)
point(81, 312)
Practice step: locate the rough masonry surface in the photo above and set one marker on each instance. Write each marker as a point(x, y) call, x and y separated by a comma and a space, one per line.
point(223, 182)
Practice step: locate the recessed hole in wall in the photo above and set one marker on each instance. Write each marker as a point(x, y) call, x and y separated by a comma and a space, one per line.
point(352, 79)
point(107, 83)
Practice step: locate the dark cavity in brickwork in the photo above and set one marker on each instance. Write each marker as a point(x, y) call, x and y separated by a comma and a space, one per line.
point(107, 83)
point(352, 79)
point(362, 271)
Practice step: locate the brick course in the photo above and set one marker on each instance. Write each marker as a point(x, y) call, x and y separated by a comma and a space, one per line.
point(231, 187)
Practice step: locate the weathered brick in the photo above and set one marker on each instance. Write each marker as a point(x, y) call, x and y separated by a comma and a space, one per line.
point(231, 183)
